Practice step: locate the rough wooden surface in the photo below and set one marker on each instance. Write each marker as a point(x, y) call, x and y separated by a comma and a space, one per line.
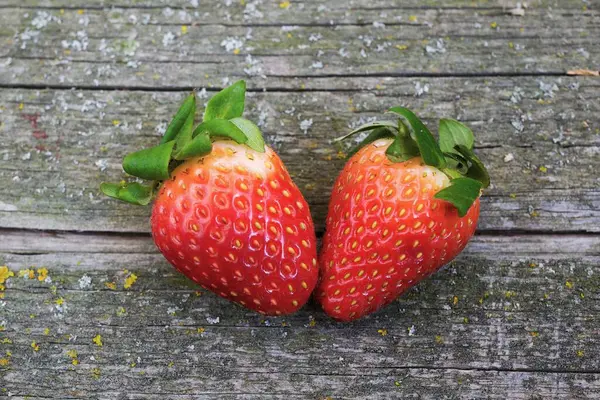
point(83, 82)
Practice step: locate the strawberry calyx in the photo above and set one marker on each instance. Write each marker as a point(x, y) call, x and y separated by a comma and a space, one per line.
point(222, 121)
point(452, 153)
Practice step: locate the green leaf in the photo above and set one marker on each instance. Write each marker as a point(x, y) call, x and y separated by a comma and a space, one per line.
point(476, 169)
point(461, 193)
point(186, 132)
point(378, 133)
point(227, 104)
point(133, 193)
point(152, 163)
point(367, 127)
point(222, 128)
point(187, 108)
point(252, 132)
point(197, 147)
point(428, 147)
point(403, 148)
point(454, 133)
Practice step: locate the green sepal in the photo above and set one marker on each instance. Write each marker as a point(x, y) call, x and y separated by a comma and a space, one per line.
point(461, 193)
point(453, 133)
point(428, 147)
point(227, 104)
point(186, 133)
point(133, 193)
point(377, 133)
point(199, 146)
point(476, 169)
point(151, 164)
point(457, 162)
point(187, 108)
point(253, 134)
point(404, 147)
point(367, 127)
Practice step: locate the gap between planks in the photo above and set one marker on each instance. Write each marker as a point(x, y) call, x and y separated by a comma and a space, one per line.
point(440, 75)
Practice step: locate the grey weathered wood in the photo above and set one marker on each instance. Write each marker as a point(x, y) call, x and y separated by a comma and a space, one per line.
point(530, 303)
point(57, 188)
point(127, 47)
point(514, 317)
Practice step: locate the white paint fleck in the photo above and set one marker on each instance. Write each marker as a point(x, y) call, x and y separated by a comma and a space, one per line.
point(102, 164)
point(412, 330)
point(232, 43)
point(437, 47)
point(378, 25)
point(421, 89)
point(168, 39)
point(315, 37)
point(305, 125)
point(317, 65)
point(161, 128)
point(509, 157)
point(548, 89)
point(212, 320)
point(85, 282)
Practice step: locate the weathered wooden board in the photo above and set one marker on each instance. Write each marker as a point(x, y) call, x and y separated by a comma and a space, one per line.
point(510, 317)
point(56, 146)
point(165, 47)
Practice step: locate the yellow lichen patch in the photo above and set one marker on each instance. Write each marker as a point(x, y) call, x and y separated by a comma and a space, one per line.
point(5, 273)
point(96, 373)
point(130, 280)
point(27, 273)
point(569, 284)
point(42, 274)
point(184, 29)
point(35, 346)
point(439, 339)
point(534, 333)
point(580, 353)
point(382, 332)
point(284, 4)
point(97, 340)
point(494, 25)
point(200, 331)
point(4, 362)
point(46, 331)
point(455, 300)
point(121, 311)
point(59, 302)
point(412, 18)
point(73, 355)
point(111, 285)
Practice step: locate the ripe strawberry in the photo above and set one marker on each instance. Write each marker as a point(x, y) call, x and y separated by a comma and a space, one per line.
point(228, 215)
point(393, 219)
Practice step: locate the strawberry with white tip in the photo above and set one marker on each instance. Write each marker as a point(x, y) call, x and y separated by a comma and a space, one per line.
point(227, 214)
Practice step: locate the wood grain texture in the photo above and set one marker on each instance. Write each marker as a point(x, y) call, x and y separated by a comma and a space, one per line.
point(57, 146)
point(84, 82)
point(511, 316)
point(193, 47)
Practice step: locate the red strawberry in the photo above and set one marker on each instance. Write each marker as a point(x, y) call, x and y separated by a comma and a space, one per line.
point(392, 221)
point(227, 214)
point(234, 222)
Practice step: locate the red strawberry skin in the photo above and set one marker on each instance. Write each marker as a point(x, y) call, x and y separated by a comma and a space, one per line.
point(235, 223)
point(385, 232)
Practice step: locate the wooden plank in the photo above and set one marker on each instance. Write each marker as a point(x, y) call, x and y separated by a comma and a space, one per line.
point(511, 316)
point(56, 146)
point(155, 48)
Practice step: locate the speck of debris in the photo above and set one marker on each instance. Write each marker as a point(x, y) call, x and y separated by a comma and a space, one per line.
point(509, 157)
point(102, 164)
point(412, 331)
